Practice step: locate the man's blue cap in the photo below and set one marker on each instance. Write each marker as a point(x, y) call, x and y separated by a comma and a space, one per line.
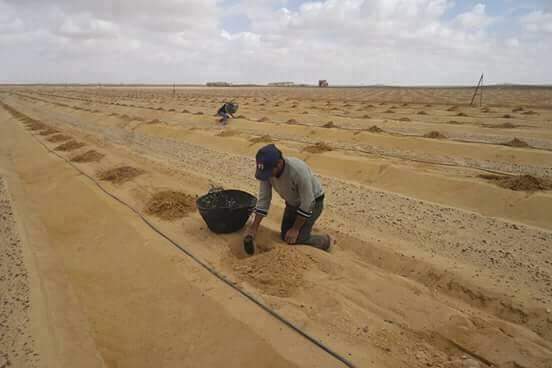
point(267, 159)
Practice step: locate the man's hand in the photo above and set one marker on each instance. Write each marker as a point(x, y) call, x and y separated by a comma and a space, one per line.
point(291, 236)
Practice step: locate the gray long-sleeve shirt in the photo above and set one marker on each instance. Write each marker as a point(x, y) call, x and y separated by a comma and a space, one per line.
point(296, 185)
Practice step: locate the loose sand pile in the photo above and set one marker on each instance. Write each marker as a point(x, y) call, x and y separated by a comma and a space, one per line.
point(262, 139)
point(507, 116)
point(421, 113)
point(292, 121)
point(530, 112)
point(486, 110)
point(170, 205)
point(463, 114)
point(59, 138)
point(405, 119)
point(89, 156)
point(527, 183)
point(263, 119)
point(516, 143)
point(435, 135)
point(452, 108)
point(278, 272)
point(518, 109)
point(70, 146)
point(120, 175)
point(318, 148)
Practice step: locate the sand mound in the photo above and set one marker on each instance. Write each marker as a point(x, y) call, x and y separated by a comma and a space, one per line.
point(462, 114)
point(170, 205)
point(389, 111)
point(59, 138)
point(262, 139)
point(503, 125)
point(518, 109)
point(185, 111)
point(36, 125)
point(507, 116)
point(120, 175)
point(329, 124)
point(530, 112)
point(70, 146)
point(227, 133)
point(422, 113)
point(49, 131)
point(241, 117)
point(486, 110)
point(366, 117)
point(375, 129)
point(435, 134)
point(154, 121)
point(516, 143)
point(90, 156)
point(198, 113)
point(278, 272)
point(292, 121)
point(263, 119)
point(405, 119)
point(452, 108)
point(520, 183)
point(454, 122)
point(318, 148)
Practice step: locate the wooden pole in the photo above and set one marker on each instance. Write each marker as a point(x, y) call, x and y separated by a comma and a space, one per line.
point(481, 92)
point(476, 90)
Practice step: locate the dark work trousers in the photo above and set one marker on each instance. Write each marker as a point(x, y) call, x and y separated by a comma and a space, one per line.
point(305, 235)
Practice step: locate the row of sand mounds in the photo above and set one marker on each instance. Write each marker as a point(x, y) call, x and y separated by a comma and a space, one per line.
point(120, 174)
point(59, 138)
point(527, 183)
point(278, 272)
point(89, 156)
point(435, 135)
point(170, 205)
point(318, 148)
point(70, 146)
point(262, 139)
point(516, 143)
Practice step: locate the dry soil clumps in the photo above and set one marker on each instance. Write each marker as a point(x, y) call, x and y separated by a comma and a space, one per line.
point(170, 205)
point(89, 156)
point(278, 272)
point(318, 148)
point(70, 146)
point(120, 174)
point(527, 183)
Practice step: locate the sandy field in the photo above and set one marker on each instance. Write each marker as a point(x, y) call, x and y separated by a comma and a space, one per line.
point(441, 211)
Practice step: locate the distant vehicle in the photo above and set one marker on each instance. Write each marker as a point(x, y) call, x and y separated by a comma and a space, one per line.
point(322, 83)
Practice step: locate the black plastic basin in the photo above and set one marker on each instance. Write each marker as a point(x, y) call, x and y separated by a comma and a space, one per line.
point(226, 211)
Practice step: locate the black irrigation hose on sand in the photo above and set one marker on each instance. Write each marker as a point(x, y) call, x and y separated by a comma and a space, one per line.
point(211, 270)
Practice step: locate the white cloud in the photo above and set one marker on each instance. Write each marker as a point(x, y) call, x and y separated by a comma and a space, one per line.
point(345, 41)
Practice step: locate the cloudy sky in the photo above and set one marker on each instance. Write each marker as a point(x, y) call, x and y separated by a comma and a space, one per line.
point(403, 42)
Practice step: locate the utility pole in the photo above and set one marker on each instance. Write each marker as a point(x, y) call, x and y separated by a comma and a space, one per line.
point(478, 88)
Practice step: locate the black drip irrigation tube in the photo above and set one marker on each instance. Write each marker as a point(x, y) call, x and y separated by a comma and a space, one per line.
point(211, 270)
